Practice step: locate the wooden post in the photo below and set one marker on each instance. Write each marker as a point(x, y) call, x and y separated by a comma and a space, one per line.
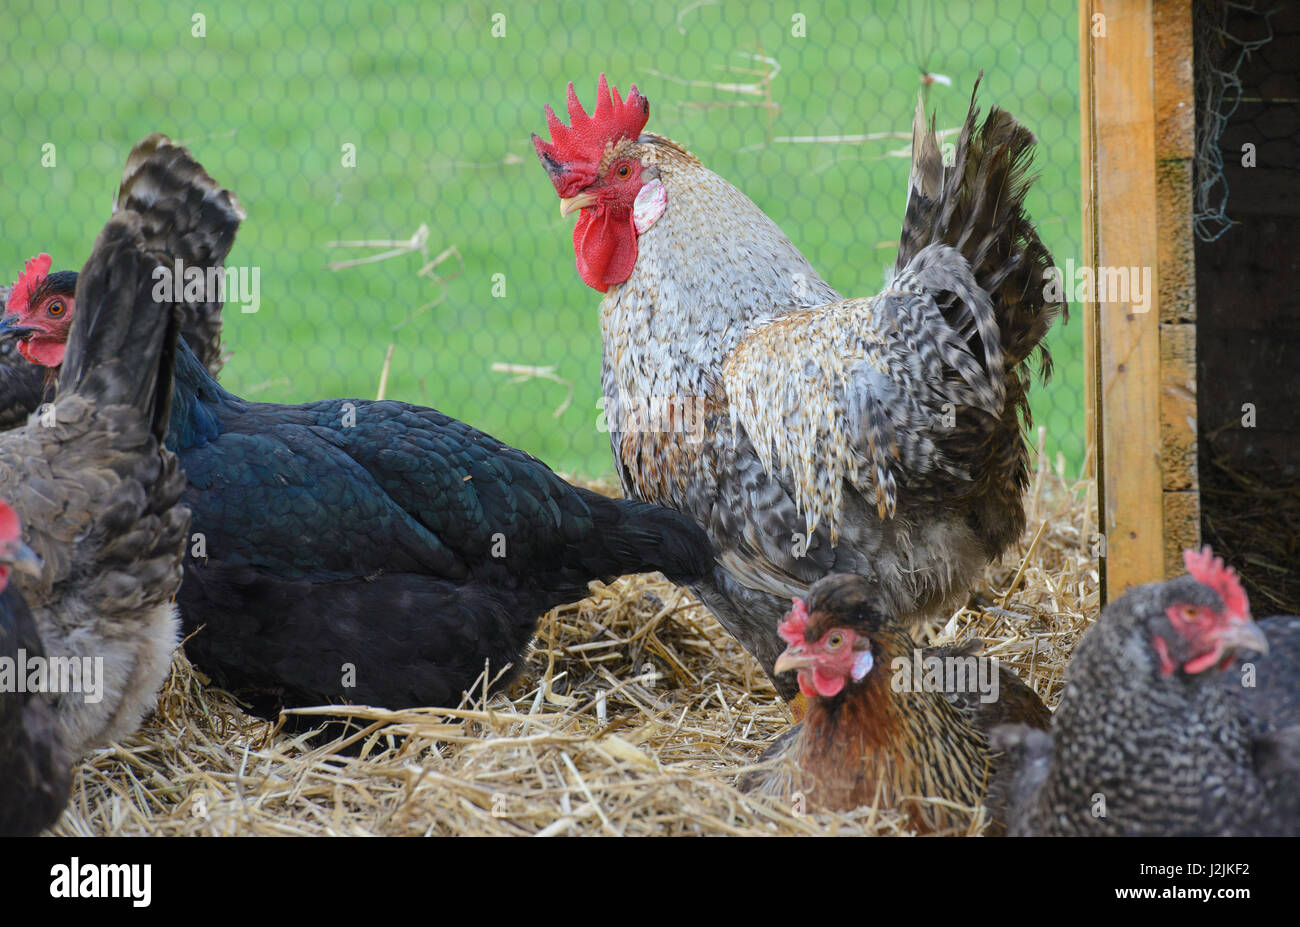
point(1138, 117)
point(1088, 311)
point(1175, 244)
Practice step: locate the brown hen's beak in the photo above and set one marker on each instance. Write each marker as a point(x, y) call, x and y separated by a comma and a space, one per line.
point(792, 660)
point(21, 558)
point(1246, 636)
point(574, 203)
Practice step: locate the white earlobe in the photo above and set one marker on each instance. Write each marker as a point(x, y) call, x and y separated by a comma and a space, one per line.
point(862, 664)
point(649, 205)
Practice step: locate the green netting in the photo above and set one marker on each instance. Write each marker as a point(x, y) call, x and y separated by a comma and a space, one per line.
point(775, 96)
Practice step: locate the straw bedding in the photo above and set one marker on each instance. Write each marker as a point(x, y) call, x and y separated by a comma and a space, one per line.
point(633, 716)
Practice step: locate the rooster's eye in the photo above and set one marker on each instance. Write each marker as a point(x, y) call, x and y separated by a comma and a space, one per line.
point(1190, 613)
point(835, 641)
point(56, 307)
point(623, 171)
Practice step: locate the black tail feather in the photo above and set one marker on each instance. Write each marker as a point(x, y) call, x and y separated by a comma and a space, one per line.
point(976, 205)
point(641, 537)
point(121, 349)
point(186, 216)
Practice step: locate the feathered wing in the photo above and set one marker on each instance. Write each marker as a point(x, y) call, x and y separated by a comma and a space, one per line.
point(927, 380)
point(1023, 758)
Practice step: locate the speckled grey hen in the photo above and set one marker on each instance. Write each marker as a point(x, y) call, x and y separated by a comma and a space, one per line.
point(96, 492)
point(1162, 731)
point(808, 433)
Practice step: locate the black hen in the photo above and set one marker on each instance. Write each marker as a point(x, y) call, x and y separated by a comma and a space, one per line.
point(381, 553)
point(35, 768)
point(22, 384)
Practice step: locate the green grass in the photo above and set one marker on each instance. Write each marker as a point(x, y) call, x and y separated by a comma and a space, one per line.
point(440, 112)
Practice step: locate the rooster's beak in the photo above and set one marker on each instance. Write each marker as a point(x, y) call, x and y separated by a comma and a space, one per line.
point(1245, 636)
point(574, 203)
point(792, 660)
point(20, 557)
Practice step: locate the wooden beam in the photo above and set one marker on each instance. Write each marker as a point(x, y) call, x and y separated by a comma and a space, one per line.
point(1088, 311)
point(1123, 117)
point(1175, 147)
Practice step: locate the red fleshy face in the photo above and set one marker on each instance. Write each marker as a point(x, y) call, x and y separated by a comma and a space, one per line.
point(1205, 630)
point(1201, 627)
point(48, 313)
point(835, 656)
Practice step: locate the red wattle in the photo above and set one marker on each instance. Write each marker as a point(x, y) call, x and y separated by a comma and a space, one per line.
point(604, 241)
point(42, 351)
point(1204, 661)
point(806, 685)
point(827, 685)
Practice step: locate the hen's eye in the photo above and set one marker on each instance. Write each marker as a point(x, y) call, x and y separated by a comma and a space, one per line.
point(623, 171)
point(835, 641)
point(56, 307)
point(1190, 613)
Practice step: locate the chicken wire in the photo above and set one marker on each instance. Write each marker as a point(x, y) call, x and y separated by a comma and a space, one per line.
point(1227, 34)
point(402, 229)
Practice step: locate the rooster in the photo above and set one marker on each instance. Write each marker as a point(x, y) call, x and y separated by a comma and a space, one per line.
point(96, 492)
point(35, 768)
point(1161, 731)
point(375, 552)
point(878, 436)
point(866, 737)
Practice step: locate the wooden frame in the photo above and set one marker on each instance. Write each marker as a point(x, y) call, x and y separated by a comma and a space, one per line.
point(1138, 136)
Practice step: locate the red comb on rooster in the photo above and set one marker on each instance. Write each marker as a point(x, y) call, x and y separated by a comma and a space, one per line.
point(572, 157)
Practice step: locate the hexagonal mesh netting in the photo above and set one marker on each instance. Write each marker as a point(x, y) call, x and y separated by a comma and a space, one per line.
point(404, 129)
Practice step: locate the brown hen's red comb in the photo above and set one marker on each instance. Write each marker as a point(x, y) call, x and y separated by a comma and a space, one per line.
point(35, 271)
point(1210, 570)
point(572, 155)
point(796, 623)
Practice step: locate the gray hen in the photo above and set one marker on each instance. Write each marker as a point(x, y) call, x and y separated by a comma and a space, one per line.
point(96, 491)
point(1162, 731)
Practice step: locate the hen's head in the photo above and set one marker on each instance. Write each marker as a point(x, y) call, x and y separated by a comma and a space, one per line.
point(39, 310)
point(14, 554)
point(837, 636)
point(596, 167)
point(1199, 621)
